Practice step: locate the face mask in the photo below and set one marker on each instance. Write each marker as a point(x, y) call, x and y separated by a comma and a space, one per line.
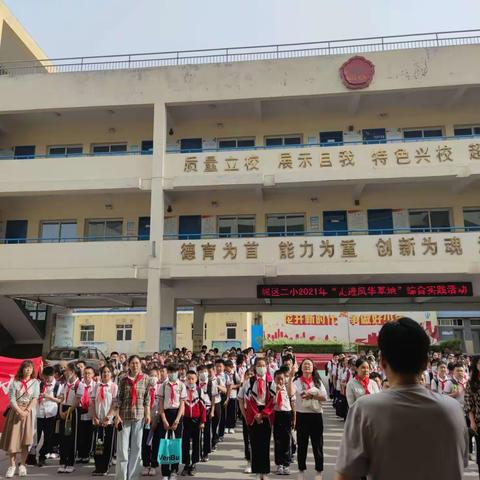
point(261, 371)
point(203, 377)
point(173, 377)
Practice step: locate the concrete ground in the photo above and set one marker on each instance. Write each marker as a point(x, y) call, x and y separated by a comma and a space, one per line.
point(228, 463)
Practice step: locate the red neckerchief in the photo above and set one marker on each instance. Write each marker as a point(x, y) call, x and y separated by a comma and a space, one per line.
point(24, 385)
point(102, 390)
point(86, 396)
point(70, 386)
point(133, 385)
point(308, 382)
point(442, 382)
point(279, 399)
point(364, 383)
point(172, 392)
point(260, 386)
point(152, 396)
point(44, 388)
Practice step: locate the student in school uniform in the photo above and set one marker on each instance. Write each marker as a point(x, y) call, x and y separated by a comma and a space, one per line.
point(257, 403)
point(47, 412)
point(361, 384)
point(70, 393)
point(17, 436)
point(234, 382)
point(104, 406)
point(284, 421)
point(309, 392)
point(194, 418)
point(241, 402)
point(209, 389)
point(220, 402)
point(171, 409)
point(440, 380)
point(149, 460)
point(85, 424)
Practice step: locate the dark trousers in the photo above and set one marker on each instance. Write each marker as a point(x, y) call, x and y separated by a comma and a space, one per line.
point(207, 437)
point(85, 437)
point(170, 415)
point(223, 418)
point(68, 443)
point(216, 422)
point(47, 427)
point(260, 434)
point(231, 413)
point(105, 434)
point(310, 427)
point(246, 440)
point(191, 441)
point(150, 452)
point(470, 436)
point(282, 438)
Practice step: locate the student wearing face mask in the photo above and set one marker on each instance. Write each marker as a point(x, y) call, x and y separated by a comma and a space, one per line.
point(257, 403)
point(210, 391)
point(171, 408)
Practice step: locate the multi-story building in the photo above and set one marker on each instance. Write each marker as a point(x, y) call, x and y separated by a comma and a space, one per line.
point(192, 178)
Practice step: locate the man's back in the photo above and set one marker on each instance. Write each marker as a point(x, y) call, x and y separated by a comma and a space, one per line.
point(405, 432)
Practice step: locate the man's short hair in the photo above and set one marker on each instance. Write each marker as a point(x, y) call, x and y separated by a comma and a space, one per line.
point(404, 346)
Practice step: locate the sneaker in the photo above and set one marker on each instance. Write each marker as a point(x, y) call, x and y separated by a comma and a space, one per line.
point(286, 471)
point(54, 456)
point(279, 470)
point(248, 468)
point(221, 439)
point(10, 472)
point(145, 471)
point(318, 476)
point(69, 469)
point(173, 476)
point(205, 459)
point(232, 430)
point(165, 478)
point(301, 475)
point(61, 469)
point(152, 472)
point(184, 472)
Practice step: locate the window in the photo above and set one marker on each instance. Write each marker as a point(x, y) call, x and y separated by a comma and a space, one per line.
point(475, 322)
point(236, 143)
point(147, 147)
point(415, 133)
point(429, 220)
point(87, 333)
point(450, 322)
point(124, 332)
point(471, 219)
point(98, 230)
point(467, 131)
point(109, 149)
point(335, 138)
point(37, 311)
point(231, 330)
point(374, 135)
point(65, 150)
point(58, 231)
point(283, 140)
point(285, 225)
point(191, 144)
point(236, 226)
point(24, 151)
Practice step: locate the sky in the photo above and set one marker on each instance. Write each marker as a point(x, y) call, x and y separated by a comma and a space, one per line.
point(68, 28)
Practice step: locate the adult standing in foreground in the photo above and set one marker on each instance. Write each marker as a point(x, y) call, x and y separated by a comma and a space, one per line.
point(415, 423)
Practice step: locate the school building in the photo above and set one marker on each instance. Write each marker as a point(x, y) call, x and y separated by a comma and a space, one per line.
point(341, 175)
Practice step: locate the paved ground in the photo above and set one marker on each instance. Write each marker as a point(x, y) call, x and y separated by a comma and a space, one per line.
point(227, 462)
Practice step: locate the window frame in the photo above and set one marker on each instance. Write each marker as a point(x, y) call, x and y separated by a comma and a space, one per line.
point(87, 329)
point(236, 234)
point(470, 209)
point(472, 128)
point(328, 143)
point(422, 130)
point(236, 140)
point(283, 137)
point(59, 238)
point(124, 328)
point(103, 238)
point(109, 145)
point(285, 232)
point(430, 228)
point(66, 147)
point(229, 326)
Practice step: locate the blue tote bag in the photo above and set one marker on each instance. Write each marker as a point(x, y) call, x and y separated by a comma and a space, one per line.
point(170, 451)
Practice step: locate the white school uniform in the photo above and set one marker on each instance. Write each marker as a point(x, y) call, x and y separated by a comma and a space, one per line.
point(300, 387)
point(355, 390)
point(103, 406)
point(179, 393)
point(451, 385)
point(438, 385)
point(71, 392)
point(47, 408)
point(287, 400)
point(91, 394)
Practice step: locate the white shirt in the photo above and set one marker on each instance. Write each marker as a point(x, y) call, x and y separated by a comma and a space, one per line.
point(438, 384)
point(71, 392)
point(286, 399)
point(355, 390)
point(453, 385)
point(301, 405)
point(47, 408)
point(103, 406)
point(179, 393)
point(220, 382)
point(91, 394)
point(253, 393)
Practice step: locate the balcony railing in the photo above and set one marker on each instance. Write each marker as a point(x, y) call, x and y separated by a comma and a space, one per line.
point(71, 155)
point(242, 54)
point(324, 144)
point(22, 240)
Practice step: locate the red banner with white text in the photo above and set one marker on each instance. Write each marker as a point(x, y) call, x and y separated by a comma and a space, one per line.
point(8, 369)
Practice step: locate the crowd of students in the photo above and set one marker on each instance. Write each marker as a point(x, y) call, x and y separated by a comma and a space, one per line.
point(119, 414)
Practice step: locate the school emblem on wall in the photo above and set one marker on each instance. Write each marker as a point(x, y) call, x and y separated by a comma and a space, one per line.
point(357, 72)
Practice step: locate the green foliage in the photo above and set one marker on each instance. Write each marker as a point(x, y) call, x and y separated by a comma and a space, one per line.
point(300, 346)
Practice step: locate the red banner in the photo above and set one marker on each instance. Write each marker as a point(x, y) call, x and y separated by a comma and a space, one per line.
point(8, 369)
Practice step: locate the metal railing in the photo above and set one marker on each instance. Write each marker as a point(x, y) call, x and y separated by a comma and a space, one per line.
point(242, 54)
point(71, 155)
point(23, 240)
point(322, 233)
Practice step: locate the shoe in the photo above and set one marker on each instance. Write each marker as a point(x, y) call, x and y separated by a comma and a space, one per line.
point(69, 469)
point(286, 471)
point(184, 472)
point(95, 474)
point(164, 478)
point(145, 471)
point(10, 472)
point(214, 448)
point(301, 475)
point(61, 469)
point(54, 456)
point(248, 468)
point(221, 439)
point(279, 470)
point(173, 476)
point(152, 472)
point(318, 476)
point(86, 460)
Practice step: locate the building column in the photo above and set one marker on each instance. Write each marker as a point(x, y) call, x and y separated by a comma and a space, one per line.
point(198, 327)
point(154, 297)
point(168, 318)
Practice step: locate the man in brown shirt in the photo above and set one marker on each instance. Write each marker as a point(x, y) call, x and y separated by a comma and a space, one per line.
point(408, 431)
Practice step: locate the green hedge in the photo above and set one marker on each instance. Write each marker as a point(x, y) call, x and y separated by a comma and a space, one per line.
point(455, 346)
point(305, 347)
